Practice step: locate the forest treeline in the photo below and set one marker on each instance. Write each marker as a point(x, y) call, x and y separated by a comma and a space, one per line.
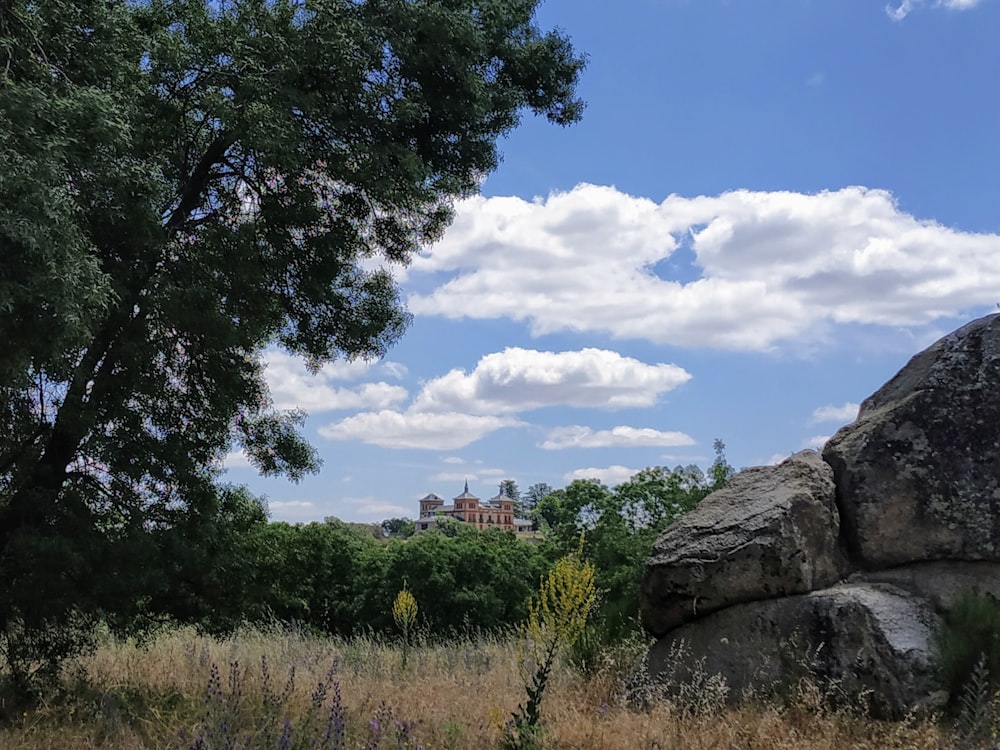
point(340, 578)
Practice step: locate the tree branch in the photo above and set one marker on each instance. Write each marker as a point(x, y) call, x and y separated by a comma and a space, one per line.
point(194, 191)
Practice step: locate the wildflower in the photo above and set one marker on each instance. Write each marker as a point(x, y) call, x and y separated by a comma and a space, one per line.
point(404, 612)
point(556, 619)
point(404, 609)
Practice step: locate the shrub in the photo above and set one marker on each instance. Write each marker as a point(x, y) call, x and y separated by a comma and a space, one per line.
point(971, 632)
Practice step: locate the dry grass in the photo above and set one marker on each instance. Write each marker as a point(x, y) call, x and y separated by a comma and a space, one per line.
point(456, 696)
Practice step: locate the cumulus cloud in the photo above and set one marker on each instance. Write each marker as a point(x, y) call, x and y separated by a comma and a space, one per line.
point(830, 413)
point(292, 386)
point(905, 7)
point(764, 268)
point(517, 380)
point(611, 475)
point(431, 431)
point(461, 407)
point(580, 436)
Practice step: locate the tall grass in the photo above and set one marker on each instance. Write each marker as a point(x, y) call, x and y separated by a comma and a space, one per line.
point(286, 690)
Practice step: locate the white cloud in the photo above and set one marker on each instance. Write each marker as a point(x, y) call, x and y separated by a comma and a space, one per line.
point(395, 369)
point(611, 475)
point(906, 7)
point(816, 441)
point(236, 460)
point(518, 379)
point(459, 408)
point(580, 436)
point(373, 510)
point(452, 460)
point(472, 476)
point(393, 429)
point(366, 396)
point(294, 510)
point(769, 267)
point(453, 476)
point(830, 413)
point(292, 386)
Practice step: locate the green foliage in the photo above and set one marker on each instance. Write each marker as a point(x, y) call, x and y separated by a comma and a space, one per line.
point(336, 578)
point(620, 525)
point(558, 618)
point(182, 186)
point(531, 498)
point(404, 613)
point(399, 528)
point(974, 724)
point(971, 633)
point(474, 579)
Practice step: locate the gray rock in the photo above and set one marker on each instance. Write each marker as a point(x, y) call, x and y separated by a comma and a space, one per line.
point(867, 644)
point(772, 531)
point(918, 473)
point(940, 582)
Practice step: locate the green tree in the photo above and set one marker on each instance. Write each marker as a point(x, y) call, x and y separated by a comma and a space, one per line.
point(531, 500)
point(534, 494)
point(400, 528)
point(185, 183)
point(509, 488)
point(720, 471)
point(620, 525)
point(468, 579)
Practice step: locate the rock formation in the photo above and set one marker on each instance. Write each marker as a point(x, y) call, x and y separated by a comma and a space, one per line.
point(772, 531)
point(842, 564)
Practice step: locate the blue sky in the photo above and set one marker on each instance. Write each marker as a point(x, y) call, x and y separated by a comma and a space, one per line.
point(768, 208)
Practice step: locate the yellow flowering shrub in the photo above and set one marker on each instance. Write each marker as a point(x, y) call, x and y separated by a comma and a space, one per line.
point(404, 610)
point(560, 609)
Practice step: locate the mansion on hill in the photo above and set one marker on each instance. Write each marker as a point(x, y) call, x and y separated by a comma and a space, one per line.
point(495, 513)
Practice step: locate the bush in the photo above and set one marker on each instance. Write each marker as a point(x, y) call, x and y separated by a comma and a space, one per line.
point(971, 632)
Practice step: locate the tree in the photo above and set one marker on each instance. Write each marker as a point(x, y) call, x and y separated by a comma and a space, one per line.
point(534, 495)
point(720, 471)
point(509, 488)
point(620, 526)
point(186, 183)
point(398, 527)
point(530, 502)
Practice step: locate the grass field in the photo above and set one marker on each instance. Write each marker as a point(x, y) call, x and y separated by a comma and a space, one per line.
point(284, 691)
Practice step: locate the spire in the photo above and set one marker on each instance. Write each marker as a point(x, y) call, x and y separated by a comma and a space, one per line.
point(466, 486)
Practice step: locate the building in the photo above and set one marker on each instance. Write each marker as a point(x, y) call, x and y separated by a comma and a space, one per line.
point(495, 513)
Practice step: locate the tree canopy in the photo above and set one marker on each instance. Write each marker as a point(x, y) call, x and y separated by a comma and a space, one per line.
point(186, 183)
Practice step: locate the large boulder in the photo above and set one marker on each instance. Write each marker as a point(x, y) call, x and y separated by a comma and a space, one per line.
point(772, 531)
point(903, 510)
point(866, 643)
point(918, 472)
